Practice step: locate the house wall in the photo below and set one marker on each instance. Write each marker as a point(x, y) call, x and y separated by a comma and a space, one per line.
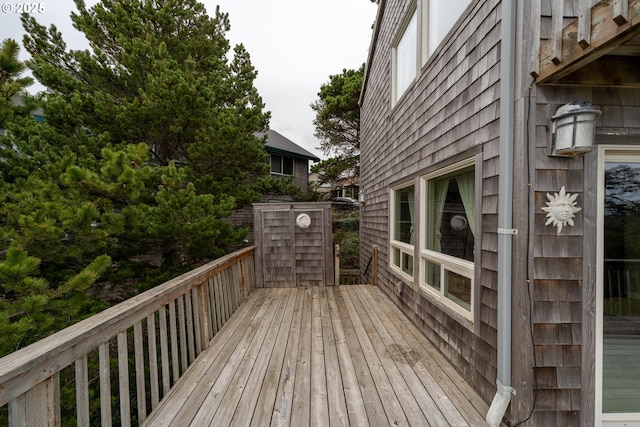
point(450, 113)
point(301, 174)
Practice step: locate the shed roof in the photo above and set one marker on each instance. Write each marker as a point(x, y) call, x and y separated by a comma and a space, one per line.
point(279, 144)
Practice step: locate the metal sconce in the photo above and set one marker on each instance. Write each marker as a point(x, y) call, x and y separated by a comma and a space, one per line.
point(573, 129)
point(361, 197)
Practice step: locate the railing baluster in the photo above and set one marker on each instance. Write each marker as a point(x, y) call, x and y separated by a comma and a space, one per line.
point(164, 350)
point(183, 333)
point(175, 364)
point(153, 360)
point(123, 379)
point(138, 343)
point(105, 384)
point(189, 320)
point(557, 11)
point(195, 305)
point(82, 391)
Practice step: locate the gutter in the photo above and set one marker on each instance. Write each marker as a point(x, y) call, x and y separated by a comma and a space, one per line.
point(505, 213)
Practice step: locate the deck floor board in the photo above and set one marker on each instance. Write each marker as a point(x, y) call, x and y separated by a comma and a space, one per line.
point(339, 356)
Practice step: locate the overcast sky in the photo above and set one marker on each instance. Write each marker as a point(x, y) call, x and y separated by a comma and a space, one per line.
point(294, 44)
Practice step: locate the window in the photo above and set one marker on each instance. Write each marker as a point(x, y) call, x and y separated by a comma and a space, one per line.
point(447, 255)
point(441, 17)
point(429, 23)
point(405, 57)
point(281, 165)
point(402, 230)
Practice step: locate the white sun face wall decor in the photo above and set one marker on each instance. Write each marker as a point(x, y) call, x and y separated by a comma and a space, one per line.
point(561, 209)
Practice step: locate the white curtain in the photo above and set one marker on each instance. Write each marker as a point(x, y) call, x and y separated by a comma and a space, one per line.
point(411, 203)
point(466, 186)
point(441, 188)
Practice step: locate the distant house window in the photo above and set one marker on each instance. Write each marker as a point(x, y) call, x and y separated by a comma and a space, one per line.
point(402, 230)
point(405, 57)
point(281, 165)
point(447, 254)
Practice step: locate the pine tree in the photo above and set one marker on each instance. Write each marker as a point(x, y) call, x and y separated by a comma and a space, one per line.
point(158, 72)
point(149, 142)
point(337, 125)
point(30, 308)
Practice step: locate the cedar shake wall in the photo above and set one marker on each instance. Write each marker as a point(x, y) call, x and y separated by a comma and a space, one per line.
point(450, 113)
point(301, 174)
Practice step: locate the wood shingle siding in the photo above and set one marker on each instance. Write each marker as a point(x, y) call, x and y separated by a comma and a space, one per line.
point(451, 112)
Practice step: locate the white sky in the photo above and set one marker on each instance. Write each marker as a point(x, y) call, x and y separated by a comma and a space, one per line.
point(295, 45)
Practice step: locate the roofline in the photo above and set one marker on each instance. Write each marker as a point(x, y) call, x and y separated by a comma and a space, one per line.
point(290, 154)
point(372, 47)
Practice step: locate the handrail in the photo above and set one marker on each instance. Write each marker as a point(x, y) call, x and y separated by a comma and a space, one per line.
point(181, 316)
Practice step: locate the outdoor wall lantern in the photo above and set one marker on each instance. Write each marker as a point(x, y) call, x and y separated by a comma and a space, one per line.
point(573, 129)
point(361, 197)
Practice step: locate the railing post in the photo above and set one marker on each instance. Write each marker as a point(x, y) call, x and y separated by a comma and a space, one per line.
point(336, 263)
point(38, 407)
point(374, 269)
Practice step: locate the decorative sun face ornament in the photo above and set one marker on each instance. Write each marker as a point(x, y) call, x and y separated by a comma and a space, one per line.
point(561, 209)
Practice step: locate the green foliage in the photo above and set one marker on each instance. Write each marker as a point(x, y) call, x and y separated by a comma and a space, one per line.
point(337, 126)
point(30, 308)
point(12, 85)
point(346, 233)
point(148, 146)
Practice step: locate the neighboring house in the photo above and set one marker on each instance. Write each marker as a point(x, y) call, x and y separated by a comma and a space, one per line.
point(289, 159)
point(286, 159)
point(461, 188)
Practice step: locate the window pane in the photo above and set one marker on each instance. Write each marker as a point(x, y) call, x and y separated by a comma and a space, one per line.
point(396, 257)
point(403, 215)
point(432, 274)
point(287, 165)
point(276, 164)
point(451, 214)
point(407, 263)
point(406, 56)
point(442, 16)
point(458, 289)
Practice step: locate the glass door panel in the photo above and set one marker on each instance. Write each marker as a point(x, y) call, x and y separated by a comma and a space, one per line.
point(621, 293)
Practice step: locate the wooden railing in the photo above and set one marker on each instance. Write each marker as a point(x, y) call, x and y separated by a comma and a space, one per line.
point(151, 339)
point(597, 29)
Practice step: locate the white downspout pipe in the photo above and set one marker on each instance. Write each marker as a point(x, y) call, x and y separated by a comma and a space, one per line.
point(505, 212)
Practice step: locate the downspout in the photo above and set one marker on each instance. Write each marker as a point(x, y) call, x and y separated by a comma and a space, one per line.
point(505, 212)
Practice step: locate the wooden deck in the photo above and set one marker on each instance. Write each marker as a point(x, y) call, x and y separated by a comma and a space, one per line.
point(341, 355)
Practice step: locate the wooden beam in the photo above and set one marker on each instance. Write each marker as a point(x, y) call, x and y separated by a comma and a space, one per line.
point(584, 24)
point(606, 35)
point(557, 11)
point(621, 71)
point(620, 11)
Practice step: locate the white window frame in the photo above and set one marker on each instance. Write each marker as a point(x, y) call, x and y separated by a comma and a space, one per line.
point(396, 92)
point(403, 247)
point(455, 265)
point(429, 35)
point(623, 153)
